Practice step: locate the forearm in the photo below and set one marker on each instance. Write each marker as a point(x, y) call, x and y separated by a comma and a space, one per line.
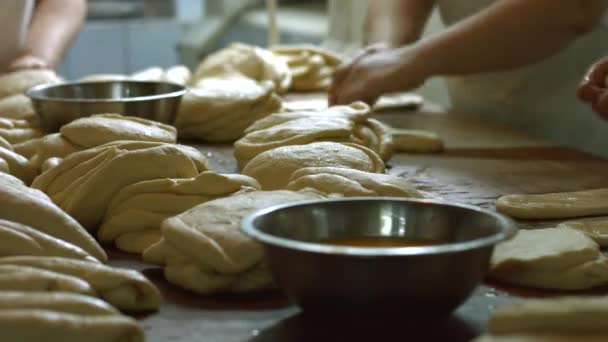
point(55, 24)
point(508, 34)
point(397, 22)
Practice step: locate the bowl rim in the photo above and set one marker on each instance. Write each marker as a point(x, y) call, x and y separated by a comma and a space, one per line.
point(508, 229)
point(35, 93)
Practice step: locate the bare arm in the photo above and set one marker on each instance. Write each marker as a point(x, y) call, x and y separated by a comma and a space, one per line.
point(505, 35)
point(397, 22)
point(54, 25)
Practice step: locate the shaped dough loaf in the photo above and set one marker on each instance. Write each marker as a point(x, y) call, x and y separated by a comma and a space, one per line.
point(351, 182)
point(35, 209)
point(247, 61)
point(65, 302)
point(19, 239)
point(417, 141)
point(555, 205)
point(203, 249)
point(595, 229)
point(552, 258)
point(100, 129)
point(19, 81)
point(84, 183)
point(274, 168)
point(311, 67)
point(134, 216)
point(221, 109)
point(16, 106)
point(30, 279)
point(52, 326)
point(123, 288)
point(558, 316)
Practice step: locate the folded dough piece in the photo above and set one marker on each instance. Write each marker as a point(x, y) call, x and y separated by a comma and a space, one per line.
point(35, 209)
point(311, 67)
point(52, 326)
point(555, 205)
point(595, 229)
point(551, 258)
point(274, 168)
point(19, 166)
point(557, 316)
point(134, 216)
point(247, 61)
point(203, 249)
point(19, 130)
point(417, 141)
point(17, 82)
point(123, 288)
point(85, 182)
point(100, 129)
point(351, 182)
point(16, 106)
point(19, 239)
point(71, 303)
point(220, 109)
point(377, 136)
point(23, 278)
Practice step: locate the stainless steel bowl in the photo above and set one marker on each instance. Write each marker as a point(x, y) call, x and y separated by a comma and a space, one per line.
point(410, 281)
point(58, 104)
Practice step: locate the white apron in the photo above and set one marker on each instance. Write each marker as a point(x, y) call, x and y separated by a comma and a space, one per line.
point(539, 98)
point(15, 17)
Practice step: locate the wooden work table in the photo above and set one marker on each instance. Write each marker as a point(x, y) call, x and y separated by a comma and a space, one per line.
point(482, 161)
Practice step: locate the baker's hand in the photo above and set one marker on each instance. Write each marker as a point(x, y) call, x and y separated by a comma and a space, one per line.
point(375, 71)
point(594, 89)
point(27, 61)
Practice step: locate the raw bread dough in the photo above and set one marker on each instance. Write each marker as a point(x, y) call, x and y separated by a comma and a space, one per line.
point(204, 250)
point(50, 163)
point(104, 128)
point(85, 182)
point(274, 168)
point(248, 61)
point(555, 205)
point(409, 140)
point(4, 166)
point(595, 229)
point(65, 302)
point(16, 106)
point(558, 316)
point(18, 130)
point(220, 109)
point(377, 136)
point(27, 148)
point(5, 144)
point(19, 166)
point(51, 146)
point(398, 101)
point(30, 279)
point(153, 74)
point(311, 67)
point(123, 288)
point(551, 258)
point(351, 182)
point(52, 326)
point(104, 78)
point(17, 82)
point(19, 239)
point(134, 216)
point(35, 209)
point(178, 74)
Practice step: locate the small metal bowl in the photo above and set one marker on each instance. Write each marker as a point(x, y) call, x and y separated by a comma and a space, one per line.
point(410, 281)
point(58, 104)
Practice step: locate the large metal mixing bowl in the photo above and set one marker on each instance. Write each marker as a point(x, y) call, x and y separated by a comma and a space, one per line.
point(409, 281)
point(58, 104)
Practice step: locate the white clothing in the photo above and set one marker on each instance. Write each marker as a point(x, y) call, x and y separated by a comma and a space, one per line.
point(15, 17)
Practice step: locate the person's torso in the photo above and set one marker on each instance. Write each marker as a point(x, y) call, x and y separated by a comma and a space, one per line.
point(15, 16)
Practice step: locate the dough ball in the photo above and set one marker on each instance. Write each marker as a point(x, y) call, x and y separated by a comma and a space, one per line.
point(351, 182)
point(221, 109)
point(203, 249)
point(555, 205)
point(17, 82)
point(551, 258)
point(247, 61)
point(103, 128)
point(274, 168)
point(16, 106)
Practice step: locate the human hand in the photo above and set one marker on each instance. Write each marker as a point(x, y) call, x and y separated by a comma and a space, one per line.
point(27, 61)
point(376, 70)
point(593, 89)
